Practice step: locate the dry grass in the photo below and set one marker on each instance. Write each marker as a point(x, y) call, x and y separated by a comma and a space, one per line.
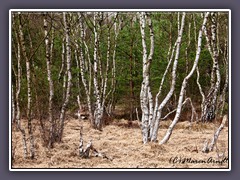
point(124, 146)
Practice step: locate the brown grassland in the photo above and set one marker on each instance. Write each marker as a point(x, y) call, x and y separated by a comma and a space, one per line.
point(122, 144)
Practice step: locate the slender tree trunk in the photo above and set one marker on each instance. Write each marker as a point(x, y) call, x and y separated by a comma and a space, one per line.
point(98, 108)
point(131, 83)
point(69, 76)
point(216, 134)
point(184, 84)
point(50, 82)
point(223, 95)
point(61, 72)
point(159, 108)
point(18, 90)
point(105, 83)
point(202, 94)
point(90, 67)
point(215, 59)
point(210, 103)
point(82, 68)
point(29, 93)
point(13, 107)
point(187, 47)
point(117, 27)
point(145, 94)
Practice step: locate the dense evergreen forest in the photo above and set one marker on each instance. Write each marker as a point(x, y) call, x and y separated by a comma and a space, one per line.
point(144, 67)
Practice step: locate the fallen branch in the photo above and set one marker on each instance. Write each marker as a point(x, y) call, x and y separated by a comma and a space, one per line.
point(98, 154)
point(85, 153)
point(193, 110)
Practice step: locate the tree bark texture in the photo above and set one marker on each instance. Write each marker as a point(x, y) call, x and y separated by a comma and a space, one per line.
point(50, 82)
point(18, 90)
point(29, 90)
point(210, 104)
point(184, 84)
point(69, 75)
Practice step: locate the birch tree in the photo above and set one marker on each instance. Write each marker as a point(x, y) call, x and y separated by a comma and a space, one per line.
point(82, 66)
point(69, 75)
point(152, 113)
point(209, 105)
point(223, 95)
point(18, 89)
point(97, 70)
point(29, 91)
point(117, 28)
point(98, 111)
point(49, 47)
point(184, 83)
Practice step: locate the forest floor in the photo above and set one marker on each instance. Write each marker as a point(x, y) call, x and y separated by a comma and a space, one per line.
point(122, 144)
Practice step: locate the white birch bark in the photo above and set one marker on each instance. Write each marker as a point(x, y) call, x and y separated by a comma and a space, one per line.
point(63, 60)
point(98, 107)
point(52, 40)
point(48, 47)
point(184, 84)
point(187, 47)
point(104, 95)
point(90, 67)
point(210, 103)
point(18, 90)
point(156, 121)
point(223, 95)
point(161, 85)
point(178, 20)
point(100, 77)
point(78, 75)
point(215, 58)
point(117, 27)
point(150, 56)
point(208, 148)
point(13, 106)
point(202, 94)
point(69, 75)
point(29, 93)
point(216, 134)
point(145, 82)
point(82, 68)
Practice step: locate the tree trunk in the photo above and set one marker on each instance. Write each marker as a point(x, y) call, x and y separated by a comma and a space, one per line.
point(145, 94)
point(18, 90)
point(82, 68)
point(69, 76)
point(50, 82)
point(223, 95)
point(159, 108)
point(98, 112)
point(184, 84)
point(29, 93)
point(111, 104)
point(13, 107)
point(216, 134)
point(208, 148)
point(210, 103)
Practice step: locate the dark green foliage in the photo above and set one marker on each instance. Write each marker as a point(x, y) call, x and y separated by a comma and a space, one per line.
point(128, 58)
